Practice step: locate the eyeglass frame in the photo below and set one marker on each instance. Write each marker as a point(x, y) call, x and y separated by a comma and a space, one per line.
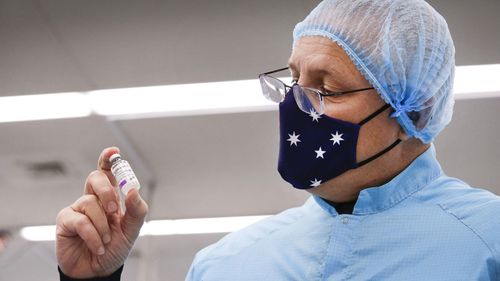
point(319, 92)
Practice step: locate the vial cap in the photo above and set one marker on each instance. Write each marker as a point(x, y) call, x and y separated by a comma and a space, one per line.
point(113, 157)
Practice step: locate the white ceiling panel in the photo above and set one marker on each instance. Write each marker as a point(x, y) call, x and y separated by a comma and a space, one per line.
point(28, 199)
point(33, 59)
point(63, 46)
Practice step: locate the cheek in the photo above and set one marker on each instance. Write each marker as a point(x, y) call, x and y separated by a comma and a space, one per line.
point(376, 135)
point(353, 107)
point(347, 109)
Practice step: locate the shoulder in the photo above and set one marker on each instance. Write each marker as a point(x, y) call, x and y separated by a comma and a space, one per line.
point(469, 204)
point(477, 208)
point(236, 242)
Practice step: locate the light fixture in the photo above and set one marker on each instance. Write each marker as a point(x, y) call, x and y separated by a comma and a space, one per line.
point(472, 81)
point(161, 227)
point(477, 81)
point(46, 106)
point(39, 233)
point(198, 226)
point(183, 99)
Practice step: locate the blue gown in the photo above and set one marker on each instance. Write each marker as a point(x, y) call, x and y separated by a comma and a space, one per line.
point(422, 225)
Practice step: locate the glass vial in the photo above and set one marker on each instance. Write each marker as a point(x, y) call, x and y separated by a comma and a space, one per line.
point(123, 173)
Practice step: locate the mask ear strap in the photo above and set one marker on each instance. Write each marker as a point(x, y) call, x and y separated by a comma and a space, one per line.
point(386, 106)
point(379, 154)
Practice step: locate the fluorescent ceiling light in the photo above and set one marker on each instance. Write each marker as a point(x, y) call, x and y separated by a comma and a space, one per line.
point(39, 233)
point(47, 106)
point(184, 99)
point(161, 227)
point(198, 226)
point(477, 81)
point(474, 81)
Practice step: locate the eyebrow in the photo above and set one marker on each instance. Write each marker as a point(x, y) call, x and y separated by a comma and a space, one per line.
point(330, 71)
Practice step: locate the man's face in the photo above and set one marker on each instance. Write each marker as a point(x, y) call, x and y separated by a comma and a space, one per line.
point(318, 62)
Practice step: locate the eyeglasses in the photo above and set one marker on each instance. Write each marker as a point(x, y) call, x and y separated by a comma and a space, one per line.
point(309, 100)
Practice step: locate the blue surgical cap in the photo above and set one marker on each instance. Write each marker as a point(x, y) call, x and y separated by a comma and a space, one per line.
point(402, 47)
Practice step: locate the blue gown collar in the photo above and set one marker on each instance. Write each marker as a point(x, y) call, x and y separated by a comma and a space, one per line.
point(424, 169)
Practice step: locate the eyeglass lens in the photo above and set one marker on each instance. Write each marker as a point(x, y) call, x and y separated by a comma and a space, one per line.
point(272, 88)
point(308, 100)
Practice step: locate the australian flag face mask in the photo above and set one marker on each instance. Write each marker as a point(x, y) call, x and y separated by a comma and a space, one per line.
point(314, 148)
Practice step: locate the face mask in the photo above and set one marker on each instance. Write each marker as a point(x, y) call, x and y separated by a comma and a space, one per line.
point(316, 148)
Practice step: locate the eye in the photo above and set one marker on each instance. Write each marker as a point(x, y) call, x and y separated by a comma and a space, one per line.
point(331, 93)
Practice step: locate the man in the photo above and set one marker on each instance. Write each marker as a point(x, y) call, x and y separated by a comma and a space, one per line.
point(372, 88)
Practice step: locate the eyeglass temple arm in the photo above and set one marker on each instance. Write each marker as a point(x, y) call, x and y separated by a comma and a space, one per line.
point(273, 71)
point(346, 92)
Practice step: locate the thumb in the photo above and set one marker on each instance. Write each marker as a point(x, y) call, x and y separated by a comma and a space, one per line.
point(134, 215)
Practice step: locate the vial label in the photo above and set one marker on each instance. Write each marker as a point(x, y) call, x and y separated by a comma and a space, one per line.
point(125, 176)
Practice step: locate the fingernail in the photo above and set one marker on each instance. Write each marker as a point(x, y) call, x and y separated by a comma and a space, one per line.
point(106, 238)
point(112, 207)
point(101, 251)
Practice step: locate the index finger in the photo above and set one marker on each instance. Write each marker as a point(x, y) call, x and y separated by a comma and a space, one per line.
point(104, 165)
point(98, 184)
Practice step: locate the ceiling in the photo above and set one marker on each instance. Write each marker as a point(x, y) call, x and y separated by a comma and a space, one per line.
point(190, 166)
point(51, 46)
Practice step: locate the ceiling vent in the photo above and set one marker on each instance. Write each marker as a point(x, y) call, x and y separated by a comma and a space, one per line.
point(47, 169)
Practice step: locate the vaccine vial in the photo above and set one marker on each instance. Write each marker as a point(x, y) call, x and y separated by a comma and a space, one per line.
point(123, 173)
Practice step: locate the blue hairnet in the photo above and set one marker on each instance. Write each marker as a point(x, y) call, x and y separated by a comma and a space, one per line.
point(402, 47)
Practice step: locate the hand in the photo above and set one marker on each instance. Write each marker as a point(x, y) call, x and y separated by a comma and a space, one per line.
point(93, 237)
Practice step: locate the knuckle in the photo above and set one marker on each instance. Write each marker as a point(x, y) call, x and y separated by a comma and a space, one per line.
point(96, 174)
point(59, 230)
point(82, 222)
point(62, 216)
point(105, 194)
point(100, 183)
point(86, 201)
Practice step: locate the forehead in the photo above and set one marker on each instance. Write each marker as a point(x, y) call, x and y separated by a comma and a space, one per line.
point(322, 53)
point(319, 58)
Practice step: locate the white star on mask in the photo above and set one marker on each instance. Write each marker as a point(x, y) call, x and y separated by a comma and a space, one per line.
point(336, 138)
point(315, 182)
point(319, 153)
point(294, 139)
point(315, 116)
